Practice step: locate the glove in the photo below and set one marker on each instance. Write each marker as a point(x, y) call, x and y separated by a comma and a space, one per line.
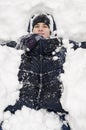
point(83, 44)
point(31, 42)
point(11, 44)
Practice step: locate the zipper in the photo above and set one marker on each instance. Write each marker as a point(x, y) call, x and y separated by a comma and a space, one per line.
point(41, 75)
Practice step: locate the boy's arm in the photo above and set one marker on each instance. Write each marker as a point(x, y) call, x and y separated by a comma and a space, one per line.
point(78, 45)
point(26, 43)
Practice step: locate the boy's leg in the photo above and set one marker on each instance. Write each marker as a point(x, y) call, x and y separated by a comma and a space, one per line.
point(0, 126)
point(65, 124)
point(65, 127)
point(14, 108)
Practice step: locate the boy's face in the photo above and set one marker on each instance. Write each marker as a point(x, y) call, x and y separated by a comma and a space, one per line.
point(42, 29)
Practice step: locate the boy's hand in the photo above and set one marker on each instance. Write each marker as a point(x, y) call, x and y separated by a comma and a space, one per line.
point(31, 41)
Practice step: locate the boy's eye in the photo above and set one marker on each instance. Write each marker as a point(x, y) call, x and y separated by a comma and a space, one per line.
point(45, 26)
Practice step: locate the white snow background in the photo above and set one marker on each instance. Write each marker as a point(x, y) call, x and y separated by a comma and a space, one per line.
point(70, 17)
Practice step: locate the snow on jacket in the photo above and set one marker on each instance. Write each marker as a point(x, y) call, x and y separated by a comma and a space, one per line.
point(39, 73)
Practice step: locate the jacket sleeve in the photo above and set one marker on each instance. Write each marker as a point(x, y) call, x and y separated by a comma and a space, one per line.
point(27, 42)
point(77, 44)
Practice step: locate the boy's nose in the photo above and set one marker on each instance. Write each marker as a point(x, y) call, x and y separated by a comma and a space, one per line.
point(40, 29)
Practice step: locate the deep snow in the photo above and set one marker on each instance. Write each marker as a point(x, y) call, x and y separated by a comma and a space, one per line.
point(70, 18)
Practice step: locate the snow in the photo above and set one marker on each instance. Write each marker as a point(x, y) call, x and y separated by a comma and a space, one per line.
point(25, 120)
point(71, 24)
point(74, 81)
point(9, 85)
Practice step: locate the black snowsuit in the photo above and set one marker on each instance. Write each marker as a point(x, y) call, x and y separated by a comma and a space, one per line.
point(39, 73)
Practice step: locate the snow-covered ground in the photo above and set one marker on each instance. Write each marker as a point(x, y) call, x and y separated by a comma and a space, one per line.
point(70, 18)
